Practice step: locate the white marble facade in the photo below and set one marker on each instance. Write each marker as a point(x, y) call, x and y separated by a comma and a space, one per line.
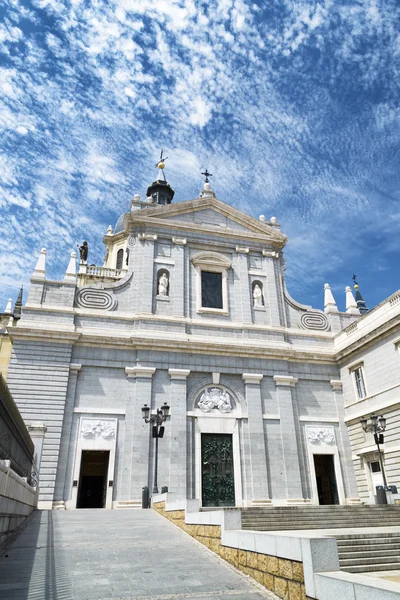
point(200, 318)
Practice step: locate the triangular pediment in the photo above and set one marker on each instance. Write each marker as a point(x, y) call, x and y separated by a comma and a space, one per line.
point(209, 214)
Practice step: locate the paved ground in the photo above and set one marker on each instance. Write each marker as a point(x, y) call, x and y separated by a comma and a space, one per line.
point(113, 555)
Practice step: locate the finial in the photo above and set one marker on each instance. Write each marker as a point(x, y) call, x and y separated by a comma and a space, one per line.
point(70, 274)
point(329, 300)
point(351, 306)
point(207, 175)
point(40, 269)
point(18, 304)
point(109, 230)
point(262, 218)
point(361, 304)
point(8, 308)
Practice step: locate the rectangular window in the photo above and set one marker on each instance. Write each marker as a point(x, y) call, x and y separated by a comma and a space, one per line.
point(211, 290)
point(359, 379)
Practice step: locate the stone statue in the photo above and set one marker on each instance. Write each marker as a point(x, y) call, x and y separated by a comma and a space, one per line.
point(83, 251)
point(257, 296)
point(163, 285)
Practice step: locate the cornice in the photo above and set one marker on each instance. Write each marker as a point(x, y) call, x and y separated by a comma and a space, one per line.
point(368, 339)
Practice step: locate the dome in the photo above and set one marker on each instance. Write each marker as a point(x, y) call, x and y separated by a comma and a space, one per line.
point(120, 224)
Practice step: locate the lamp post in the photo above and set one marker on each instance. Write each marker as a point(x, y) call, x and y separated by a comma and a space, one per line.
point(157, 431)
point(377, 426)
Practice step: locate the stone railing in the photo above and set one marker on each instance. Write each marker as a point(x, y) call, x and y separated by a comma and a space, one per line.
point(102, 271)
point(16, 445)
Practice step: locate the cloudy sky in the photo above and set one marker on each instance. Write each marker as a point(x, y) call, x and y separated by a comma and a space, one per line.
point(293, 105)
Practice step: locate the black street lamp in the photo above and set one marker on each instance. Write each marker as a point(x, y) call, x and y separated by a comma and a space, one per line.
point(157, 431)
point(377, 426)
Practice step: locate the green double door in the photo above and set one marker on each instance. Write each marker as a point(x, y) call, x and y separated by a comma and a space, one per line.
point(218, 484)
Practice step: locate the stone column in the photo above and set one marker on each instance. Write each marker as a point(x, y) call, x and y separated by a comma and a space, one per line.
point(244, 285)
point(284, 385)
point(137, 434)
point(258, 457)
point(178, 426)
point(66, 455)
point(271, 291)
point(145, 272)
point(178, 292)
point(344, 445)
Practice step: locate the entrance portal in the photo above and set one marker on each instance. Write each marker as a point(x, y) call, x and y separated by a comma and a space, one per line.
point(93, 479)
point(326, 479)
point(218, 485)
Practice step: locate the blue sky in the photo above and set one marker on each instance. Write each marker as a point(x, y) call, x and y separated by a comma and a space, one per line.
point(292, 105)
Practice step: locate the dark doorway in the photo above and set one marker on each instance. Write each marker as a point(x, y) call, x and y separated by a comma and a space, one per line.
point(218, 486)
point(93, 479)
point(326, 479)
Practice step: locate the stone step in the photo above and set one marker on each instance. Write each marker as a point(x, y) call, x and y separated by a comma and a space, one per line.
point(325, 507)
point(343, 550)
point(328, 524)
point(373, 567)
point(375, 553)
point(348, 537)
point(128, 504)
point(346, 562)
point(375, 541)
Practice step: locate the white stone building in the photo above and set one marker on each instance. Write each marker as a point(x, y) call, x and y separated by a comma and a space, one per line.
point(190, 309)
point(368, 352)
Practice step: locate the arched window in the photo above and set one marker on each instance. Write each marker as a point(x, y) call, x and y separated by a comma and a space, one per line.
point(163, 283)
point(257, 293)
point(120, 258)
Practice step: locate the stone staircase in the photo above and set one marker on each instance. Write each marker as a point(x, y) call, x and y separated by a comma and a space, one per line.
point(369, 552)
point(278, 518)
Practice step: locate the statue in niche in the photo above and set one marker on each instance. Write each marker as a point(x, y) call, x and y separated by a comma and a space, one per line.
point(257, 296)
point(163, 284)
point(83, 251)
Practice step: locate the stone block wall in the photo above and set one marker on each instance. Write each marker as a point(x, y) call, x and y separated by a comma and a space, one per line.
point(17, 501)
point(282, 576)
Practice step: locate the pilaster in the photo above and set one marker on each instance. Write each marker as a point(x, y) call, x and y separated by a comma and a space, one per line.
point(270, 291)
point(62, 488)
point(177, 424)
point(137, 433)
point(290, 446)
point(178, 291)
point(343, 440)
point(258, 458)
point(243, 273)
point(145, 272)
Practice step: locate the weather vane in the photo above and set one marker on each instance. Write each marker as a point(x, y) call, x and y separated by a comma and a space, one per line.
point(207, 175)
point(354, 279)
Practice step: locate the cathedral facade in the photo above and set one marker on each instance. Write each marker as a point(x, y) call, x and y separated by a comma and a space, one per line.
point(190, 316)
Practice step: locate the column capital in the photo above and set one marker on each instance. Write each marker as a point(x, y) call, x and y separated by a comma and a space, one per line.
point(270, 253)
point(336, 384)
point(148, 237)
point(179, 241)
point(140, 371)
point(242, 250)
point(36, 429)
point(178, 373)
point(75, 368)
point(285, 380)
point(252, 378)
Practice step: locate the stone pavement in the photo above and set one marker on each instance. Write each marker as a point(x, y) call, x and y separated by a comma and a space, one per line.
point(115, 555)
